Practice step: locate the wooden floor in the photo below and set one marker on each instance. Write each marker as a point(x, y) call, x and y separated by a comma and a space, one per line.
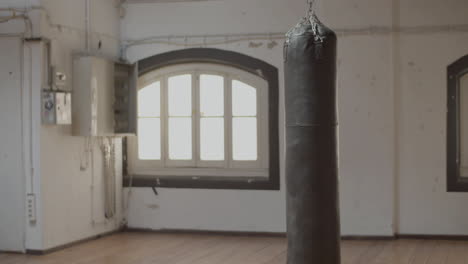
point(146, 248)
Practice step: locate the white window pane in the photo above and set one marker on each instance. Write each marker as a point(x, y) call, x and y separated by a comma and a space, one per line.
point(211, 95)
point(180, 95)
point(464, 126)
point(180, 138)
point(244, 99)
point(212, 138)
point(149, 100)
point(149, 138)
point(244, 138)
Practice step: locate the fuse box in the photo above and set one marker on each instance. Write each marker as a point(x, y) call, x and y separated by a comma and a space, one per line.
point(104, 97)
point(56, 108)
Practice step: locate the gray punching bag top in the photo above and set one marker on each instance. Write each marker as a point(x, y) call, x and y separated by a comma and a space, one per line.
point(310, 26)
point(311, 144)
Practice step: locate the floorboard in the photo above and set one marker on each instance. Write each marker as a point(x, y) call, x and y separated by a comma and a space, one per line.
point(155, 248)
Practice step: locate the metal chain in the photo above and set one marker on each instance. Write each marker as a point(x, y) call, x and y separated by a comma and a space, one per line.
point(311, 10)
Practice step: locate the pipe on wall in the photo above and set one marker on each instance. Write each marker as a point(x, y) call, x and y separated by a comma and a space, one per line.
point(87, 26)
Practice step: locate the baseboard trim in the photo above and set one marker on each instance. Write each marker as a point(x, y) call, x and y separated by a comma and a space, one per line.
point(71, 244)
point(369, 237)
point(205, 232)
point(244, 233)
point(433, 237)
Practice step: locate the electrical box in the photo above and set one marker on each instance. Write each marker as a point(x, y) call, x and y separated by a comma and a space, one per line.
point(104, 94)
point(56, 108)
point(125, 95)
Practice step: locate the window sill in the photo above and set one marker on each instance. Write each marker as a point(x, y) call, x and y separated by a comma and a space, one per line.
point(203, 182)
point(198, 171)
point(459, 185)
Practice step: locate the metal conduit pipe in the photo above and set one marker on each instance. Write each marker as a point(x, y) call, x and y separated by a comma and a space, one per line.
point(87, 26)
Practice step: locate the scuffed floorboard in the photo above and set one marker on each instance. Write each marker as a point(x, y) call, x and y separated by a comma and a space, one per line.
point(162, 248)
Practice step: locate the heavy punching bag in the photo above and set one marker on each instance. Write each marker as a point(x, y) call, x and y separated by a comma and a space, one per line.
point(311, 144)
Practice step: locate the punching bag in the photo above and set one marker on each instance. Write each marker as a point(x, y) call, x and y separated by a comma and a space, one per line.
point(311, 144)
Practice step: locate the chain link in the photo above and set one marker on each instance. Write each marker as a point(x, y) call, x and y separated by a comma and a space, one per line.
point(311, 10)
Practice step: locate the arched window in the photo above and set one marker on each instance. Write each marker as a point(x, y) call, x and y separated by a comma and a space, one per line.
point(205, 125)
point(202, 116)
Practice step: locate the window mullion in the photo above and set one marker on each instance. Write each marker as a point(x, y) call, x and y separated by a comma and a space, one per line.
point(262, 126)
point(164, 121)
point(259, 126)
point(228, 120)
point(196, 118)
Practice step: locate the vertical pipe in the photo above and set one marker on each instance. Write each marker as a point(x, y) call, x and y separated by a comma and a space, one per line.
point(311, 144)
point(396, 52)
point(88, 26)
point(93, 221)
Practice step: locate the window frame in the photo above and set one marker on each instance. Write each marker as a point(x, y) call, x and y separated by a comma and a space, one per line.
point(215, 178)
point(455, 72)
point(195, 70)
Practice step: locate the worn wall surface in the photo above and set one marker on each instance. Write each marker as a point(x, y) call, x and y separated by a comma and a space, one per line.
point(48, 161)
point(365, 88)
point(16, 165)
point(12, 199)
point(425, 206)
point(72, 178)
point(19, 3)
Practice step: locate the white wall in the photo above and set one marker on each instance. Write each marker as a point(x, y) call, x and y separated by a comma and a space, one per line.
point(18, 26)
point(366, 114)
point(32, 76)
point(20, 3)
point(68, 202)
point(16, 148)
point(12, 210)
point(366, 152)
point(425, 206)
point(52, 157)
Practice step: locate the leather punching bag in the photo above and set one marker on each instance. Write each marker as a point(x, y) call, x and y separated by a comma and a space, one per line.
point(311, 144)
